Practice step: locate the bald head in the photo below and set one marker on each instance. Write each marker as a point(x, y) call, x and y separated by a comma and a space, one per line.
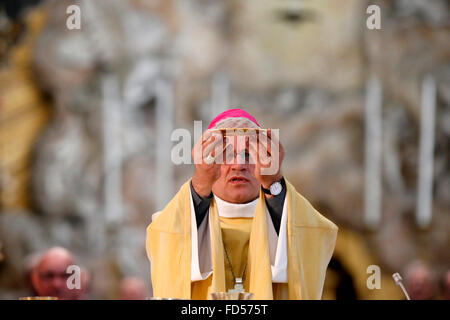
point(132, 288)
point(49, 277)
point(56, 255)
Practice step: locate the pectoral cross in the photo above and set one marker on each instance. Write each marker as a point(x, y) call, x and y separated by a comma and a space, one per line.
point(238, 286)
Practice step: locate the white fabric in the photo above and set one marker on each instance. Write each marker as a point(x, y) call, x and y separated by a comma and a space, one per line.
point(235, 210)
point(279, 266)
point(201, 257)
point(200, 243)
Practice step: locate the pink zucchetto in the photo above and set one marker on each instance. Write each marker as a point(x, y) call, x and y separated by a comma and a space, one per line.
point(234, 118)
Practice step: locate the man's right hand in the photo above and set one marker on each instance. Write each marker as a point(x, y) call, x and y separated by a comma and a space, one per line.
point(207, 173)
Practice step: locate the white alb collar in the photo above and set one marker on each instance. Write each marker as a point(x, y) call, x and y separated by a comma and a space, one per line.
point(235, 210)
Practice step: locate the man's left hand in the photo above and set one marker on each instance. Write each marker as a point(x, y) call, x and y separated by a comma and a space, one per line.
point(267, 156)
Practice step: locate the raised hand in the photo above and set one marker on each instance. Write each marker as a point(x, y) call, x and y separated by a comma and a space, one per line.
point(267, 154)
point(208, 148)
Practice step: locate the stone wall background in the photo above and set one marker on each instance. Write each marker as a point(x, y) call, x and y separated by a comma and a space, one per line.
point(301, 66)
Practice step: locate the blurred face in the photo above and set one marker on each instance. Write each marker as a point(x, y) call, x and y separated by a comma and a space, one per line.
point(50, 277)
point(419, 284)
point(237, 182)
point(132, 289)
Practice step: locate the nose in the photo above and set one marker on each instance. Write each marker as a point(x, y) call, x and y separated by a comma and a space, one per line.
point(239, 164)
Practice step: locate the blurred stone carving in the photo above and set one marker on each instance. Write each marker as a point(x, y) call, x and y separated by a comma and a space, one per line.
point(68, 180)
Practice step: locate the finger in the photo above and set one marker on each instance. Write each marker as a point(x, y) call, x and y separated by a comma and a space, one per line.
point(253, 149)
point(253, 154)
point(207, 134)
point(256, 159)
point(265, 158)
point(264, 141)
point(273, 145)
point(199, 147)
point(264, 155)
point(277, 149)
point(266, 138)
point(210, 141)
point(259, 153)
point(204, 138)
point(214, 147)
point(227, 154)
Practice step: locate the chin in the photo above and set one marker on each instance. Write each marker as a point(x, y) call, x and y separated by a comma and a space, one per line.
point(243, 197)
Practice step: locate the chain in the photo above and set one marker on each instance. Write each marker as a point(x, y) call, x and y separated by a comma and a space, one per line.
point(231, 267)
